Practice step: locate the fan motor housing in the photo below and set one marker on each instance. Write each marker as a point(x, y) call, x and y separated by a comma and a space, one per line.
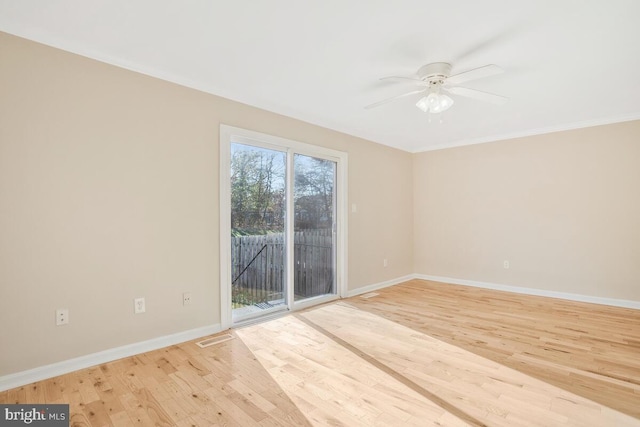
point(434, 72)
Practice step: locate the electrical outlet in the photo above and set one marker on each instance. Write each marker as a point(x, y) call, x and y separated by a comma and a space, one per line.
point(385, 263)
point(506, 264)
point(62, 316)
point(186, 298)
point(139, 306)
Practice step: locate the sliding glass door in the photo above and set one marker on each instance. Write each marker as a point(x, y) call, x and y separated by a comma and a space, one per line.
point(281, 221)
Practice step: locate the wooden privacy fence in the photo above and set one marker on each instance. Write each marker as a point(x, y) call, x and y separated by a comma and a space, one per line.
point(258, 266)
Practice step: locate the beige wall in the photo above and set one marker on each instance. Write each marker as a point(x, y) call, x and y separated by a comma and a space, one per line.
point(109, 191)
point(562, 208)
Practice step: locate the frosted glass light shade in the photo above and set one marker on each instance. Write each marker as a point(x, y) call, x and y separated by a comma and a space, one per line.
point(434, 103)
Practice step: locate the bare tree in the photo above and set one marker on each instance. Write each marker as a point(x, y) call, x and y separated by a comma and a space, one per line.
point(314, 189)
point(257, 189)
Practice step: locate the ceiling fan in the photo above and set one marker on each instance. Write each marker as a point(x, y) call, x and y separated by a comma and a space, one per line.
point(436, 78)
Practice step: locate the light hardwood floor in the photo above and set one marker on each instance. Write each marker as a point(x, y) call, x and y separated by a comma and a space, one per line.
point(420, 353)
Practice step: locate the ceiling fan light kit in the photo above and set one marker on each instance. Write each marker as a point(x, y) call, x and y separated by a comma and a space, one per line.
point(434, 103)
point(436, 78)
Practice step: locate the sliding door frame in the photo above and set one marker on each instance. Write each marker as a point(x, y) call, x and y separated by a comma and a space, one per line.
point(229, 134)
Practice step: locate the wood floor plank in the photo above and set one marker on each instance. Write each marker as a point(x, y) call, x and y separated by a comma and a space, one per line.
point(601, 330)
point(420, 353)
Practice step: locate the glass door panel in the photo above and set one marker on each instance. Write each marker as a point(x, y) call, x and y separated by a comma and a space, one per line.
point(258, 255)
point(314, 207)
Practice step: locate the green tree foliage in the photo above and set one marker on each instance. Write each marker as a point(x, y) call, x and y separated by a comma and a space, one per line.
point(257, 190)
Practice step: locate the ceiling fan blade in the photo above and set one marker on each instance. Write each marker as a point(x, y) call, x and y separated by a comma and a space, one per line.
point(476, 73)
point(477, 94)
point(412, 79)
point(384, 101)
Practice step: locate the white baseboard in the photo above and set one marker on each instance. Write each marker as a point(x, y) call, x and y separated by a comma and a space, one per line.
point(48, 371)
point(44, 372)
point(376, 286)
point(531, 291)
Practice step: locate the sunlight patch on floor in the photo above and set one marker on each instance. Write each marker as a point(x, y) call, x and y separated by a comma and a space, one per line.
point(339, 364)
point(331, 385)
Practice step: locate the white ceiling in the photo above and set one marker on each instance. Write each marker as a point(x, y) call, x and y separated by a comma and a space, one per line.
point(568, 63)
